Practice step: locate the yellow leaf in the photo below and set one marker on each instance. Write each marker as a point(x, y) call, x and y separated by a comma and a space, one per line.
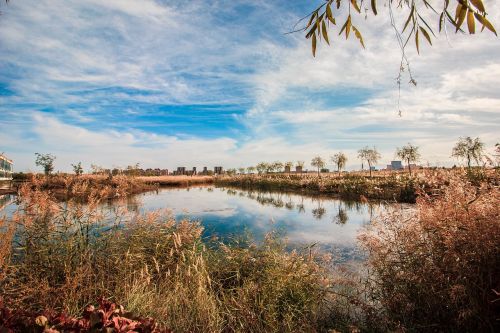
point(374, 7)
point(314, 45)
point(471, 24)
point(479, 5)
point(348, 27)
point(426, 35)
point(485, 23)
point(410, 16)
point(355, 4)
point(416, 42)
point(325, 33)
point(358, 36)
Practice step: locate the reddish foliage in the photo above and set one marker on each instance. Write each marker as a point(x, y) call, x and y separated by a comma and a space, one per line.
point(108, 317)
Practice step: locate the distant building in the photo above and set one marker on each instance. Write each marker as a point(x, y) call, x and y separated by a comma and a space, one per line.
point(396, 165)
point(218, 170)
point(287, 169)
point(6, 168)
point(298, 169)
point(180, 171)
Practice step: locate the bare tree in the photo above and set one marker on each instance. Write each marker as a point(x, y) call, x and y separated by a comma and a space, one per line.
point(340, 160)
point(318, 163)
point(408, 153)
point(370, 155)
point(468, 149)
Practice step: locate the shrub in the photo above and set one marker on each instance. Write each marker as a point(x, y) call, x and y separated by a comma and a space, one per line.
point(438, 268)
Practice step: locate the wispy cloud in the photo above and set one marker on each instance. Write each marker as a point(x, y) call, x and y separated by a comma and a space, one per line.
point(167, 83)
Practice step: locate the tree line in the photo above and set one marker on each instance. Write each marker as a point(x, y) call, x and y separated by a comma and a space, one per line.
point(467, 149)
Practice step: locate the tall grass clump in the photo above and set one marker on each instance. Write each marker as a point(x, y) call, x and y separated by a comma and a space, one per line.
point(66, 255)
point(438, 269)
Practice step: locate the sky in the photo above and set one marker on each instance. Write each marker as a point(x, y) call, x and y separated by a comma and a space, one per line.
point(206, 83)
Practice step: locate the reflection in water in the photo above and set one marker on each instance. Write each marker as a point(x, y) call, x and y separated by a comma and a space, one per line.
point(5, 200)
point(341, 217)
point(227, 213)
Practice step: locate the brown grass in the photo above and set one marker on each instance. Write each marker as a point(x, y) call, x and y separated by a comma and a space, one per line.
point(434, 268)
point(66, 255)
point(177, 180)
point(439, 269)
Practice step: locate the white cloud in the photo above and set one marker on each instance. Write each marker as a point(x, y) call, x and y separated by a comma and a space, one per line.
point(92, 53)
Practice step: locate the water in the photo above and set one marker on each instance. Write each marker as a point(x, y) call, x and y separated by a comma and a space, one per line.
point(230, 213)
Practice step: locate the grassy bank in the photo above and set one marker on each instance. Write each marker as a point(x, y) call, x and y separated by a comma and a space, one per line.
point(176, 181)
point(433, 269)
point(85, 187)
point(395, 188)
point(392, 186)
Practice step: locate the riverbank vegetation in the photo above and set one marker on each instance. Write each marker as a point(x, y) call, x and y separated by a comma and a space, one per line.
point(177, 180)
point(382, 185)
point(435, 268)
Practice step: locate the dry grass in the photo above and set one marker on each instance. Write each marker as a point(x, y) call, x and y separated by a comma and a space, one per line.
point(67, 255)
point(177, 180)
point(439, 269)
point(85, 186)
point(383, 185)
point(433, 269)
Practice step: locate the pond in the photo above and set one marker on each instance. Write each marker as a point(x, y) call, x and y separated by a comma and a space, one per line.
point(230, 213)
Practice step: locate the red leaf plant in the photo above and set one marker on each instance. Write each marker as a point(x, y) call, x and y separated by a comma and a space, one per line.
point(108, 317)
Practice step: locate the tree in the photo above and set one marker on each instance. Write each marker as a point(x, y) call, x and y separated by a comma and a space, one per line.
point(415, 26)
point(370, 155)
point(46, 161)
point(251, 169)
point(339, 159)
point(241, 170)
point(408, 153)
point(278, 166)
point(77, 168)
point(261, 167)
point(468, 149)
point(318, 163)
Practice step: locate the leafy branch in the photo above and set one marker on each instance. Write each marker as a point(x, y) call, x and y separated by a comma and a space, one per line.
point(473, 12)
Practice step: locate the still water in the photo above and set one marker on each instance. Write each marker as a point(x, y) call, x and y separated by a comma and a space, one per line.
point(230, 213)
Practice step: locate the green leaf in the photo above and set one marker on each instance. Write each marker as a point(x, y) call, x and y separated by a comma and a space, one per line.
point(426, 35)
point(374, 7)
point(325, 33)
point(485, 23)
point(471, 24)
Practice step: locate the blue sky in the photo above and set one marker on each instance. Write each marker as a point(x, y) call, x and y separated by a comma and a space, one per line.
point(168, 83)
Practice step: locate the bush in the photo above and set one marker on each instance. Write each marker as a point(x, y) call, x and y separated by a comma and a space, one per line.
point(438, 269)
